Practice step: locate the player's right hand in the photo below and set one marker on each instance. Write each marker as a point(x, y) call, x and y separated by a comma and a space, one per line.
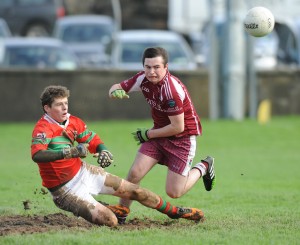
point(141, 135)
point(119, 94)
point(81, 150)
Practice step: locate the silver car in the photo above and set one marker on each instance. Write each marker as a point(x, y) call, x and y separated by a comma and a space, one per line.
point(89, 36)
point(36, 53)
point(129, 46)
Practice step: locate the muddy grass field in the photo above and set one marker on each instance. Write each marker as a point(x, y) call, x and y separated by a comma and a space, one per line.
point(20, 224)
point(255, 200)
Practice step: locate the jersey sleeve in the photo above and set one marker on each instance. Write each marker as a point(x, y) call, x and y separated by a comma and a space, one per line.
point(133, 84)
point(41, 137)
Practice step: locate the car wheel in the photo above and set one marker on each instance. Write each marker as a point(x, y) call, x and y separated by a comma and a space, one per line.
point(37, 30)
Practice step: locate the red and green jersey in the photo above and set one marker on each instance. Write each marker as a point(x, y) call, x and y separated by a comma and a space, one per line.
point(48, 135)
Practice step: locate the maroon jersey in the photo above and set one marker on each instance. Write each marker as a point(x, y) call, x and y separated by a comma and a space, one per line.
point(167, 98)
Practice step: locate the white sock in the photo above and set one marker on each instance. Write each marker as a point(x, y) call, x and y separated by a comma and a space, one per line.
point(201, 168)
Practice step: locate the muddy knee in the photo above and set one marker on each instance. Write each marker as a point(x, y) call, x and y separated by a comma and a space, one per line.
point(106, 217)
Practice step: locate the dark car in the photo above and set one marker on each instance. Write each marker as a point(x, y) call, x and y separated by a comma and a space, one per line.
point(36, 53)
point(31, 17)
point(89, 36)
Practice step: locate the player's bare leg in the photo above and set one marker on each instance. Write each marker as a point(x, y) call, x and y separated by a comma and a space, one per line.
point(94, 213)
point(140, 167)
point(177, 185)
point(127, 190)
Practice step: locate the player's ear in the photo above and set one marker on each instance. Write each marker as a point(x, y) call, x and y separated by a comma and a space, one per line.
point(46, 108)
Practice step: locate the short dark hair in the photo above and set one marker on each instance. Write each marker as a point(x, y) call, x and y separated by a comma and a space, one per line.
point(156, 52)
point(52, 92)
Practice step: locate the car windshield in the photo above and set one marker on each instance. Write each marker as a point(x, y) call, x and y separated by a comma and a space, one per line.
point(86, 33)
point(132, 52)
point(37, 57)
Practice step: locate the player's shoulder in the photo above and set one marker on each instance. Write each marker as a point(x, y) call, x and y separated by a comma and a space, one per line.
point(75, 119)
point(140, 76)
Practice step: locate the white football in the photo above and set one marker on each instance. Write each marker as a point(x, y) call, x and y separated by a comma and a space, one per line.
point(259, 21)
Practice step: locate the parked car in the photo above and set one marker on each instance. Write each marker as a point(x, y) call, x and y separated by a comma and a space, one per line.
point(89, 36)
point(129, 46)
point(4, 29)
point(31, 17)
point(36, 52)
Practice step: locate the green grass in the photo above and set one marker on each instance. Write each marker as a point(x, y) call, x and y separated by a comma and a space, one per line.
point(255, 201)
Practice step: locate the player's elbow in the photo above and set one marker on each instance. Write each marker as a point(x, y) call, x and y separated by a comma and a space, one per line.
point(178, 129)
point(35, 157)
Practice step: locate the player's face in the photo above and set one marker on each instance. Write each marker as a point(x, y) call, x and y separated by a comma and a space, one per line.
point(58, 110)
point(155, 70)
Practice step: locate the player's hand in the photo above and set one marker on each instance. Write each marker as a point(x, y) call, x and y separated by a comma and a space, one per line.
point(119, 94)
point(141, 135)
point(105, 158)
point(81, 150)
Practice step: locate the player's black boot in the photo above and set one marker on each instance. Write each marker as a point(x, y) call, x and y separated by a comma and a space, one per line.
point(209, 179)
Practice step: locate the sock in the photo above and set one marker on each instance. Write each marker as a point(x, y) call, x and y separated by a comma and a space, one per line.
point(166, 207)
point(202, 167)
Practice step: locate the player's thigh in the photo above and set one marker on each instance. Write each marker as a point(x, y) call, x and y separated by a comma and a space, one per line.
point(175, 184)
point(80, 206)
point(140, 167)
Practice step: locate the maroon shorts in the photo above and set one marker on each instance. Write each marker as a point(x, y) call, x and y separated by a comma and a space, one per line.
point(176, 153)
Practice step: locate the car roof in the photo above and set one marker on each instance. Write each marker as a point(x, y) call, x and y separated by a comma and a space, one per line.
point(32, 41)
point(83, 19)
point(147, 34)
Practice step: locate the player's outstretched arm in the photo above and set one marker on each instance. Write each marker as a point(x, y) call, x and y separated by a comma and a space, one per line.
point(116, 92)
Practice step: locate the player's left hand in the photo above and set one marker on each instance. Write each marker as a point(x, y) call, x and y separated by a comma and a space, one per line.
point(105, 158)
point(141, 135)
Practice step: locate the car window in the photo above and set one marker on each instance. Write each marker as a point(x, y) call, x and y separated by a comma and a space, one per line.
point(132, 52)
point(39, 57)
point(33, 2)
point(87, 33)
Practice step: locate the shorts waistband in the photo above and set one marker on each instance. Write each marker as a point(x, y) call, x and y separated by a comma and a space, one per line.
point(55, 188)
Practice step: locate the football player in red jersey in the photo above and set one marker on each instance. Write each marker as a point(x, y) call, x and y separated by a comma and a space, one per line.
point(60, 141)
point(172, 139)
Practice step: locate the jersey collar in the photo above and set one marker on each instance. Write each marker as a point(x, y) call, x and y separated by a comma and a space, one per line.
point(51, 120)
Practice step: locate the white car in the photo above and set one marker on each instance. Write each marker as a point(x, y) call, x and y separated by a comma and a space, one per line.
point(36, 53)
point(264, 48)
point(89, 36)
point(4, 29)
point(129, 46)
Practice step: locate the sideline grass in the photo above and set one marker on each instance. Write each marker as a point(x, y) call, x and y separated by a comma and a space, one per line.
point(256, 199)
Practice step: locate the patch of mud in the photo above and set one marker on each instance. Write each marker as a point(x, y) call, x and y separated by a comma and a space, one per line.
point(19, 224)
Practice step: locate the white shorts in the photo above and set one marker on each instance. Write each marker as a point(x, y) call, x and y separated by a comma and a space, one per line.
point(79, 191)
